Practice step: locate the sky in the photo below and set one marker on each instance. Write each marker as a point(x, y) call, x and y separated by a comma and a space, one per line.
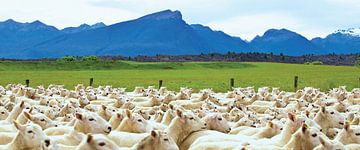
point(241, 18)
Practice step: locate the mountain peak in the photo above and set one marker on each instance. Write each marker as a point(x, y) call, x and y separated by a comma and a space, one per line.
point(98, 25)
point(350, 31)
point(165, 14)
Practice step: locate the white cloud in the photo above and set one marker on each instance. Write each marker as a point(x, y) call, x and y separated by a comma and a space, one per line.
point(62, 13)
point(249, 26)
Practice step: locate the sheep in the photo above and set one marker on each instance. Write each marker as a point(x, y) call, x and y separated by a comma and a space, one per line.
point(217, 122)
point(4, 113)
point(91, 123)
point(329, 118)
point(14, 113)
point(28, 137)
point(271, 120)
point(133, 123)
point(349, 134)
point(305, 138)
point(329, 145)
point(97, 141)
point(157, 140)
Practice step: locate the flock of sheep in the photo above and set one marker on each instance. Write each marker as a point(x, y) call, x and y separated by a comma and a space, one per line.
point(89, 118)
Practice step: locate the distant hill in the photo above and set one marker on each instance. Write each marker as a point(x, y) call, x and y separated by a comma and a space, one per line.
point(164, 33)
point(342, 41)
point(284, 41)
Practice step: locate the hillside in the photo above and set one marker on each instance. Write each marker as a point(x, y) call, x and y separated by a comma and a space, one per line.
point(164, 33)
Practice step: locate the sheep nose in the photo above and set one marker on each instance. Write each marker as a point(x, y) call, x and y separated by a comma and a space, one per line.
point(109, 128)
point(47, 142)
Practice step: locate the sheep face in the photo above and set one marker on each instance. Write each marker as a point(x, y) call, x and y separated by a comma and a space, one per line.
point(310, 135)
point(162, 141)
point(217, 122)
point(335, 119)
point(136, 122)
point(329, 145)
point(190, 121)
point(31, 134)
point(92, 123)
point(4, 113)
point(97, 141)
point(40, 119)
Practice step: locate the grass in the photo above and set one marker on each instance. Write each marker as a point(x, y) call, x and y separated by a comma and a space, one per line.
point(197, 75)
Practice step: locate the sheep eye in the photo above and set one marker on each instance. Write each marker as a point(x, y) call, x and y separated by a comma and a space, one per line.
point(42, 120)
point(102, 144)
point(191, 118)
point(357, 134)
point(27, 108)
point(314, 135)
point(91, 119)
point(139, 120)
point(166, 139)
point(2, 112)
point(220, 119)
point(113, 110)
point(30, 131)
point(332, 113)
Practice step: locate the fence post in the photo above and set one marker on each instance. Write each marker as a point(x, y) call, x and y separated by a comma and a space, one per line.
point(296, 83)
point(27, 82)
point(160, 83)
point(231, 83)
point(91, 81)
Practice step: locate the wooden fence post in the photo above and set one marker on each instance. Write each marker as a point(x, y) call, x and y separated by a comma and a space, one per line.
point(160, 83)
point(296, 83)
point(91, 81)
point(27, 82)
point(231, 83)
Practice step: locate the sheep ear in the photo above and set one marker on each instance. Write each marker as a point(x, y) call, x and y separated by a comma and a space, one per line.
point(322, 141)
point(79, 116)
point(171, 106)
point(347, 125)
point(89, 138)
point(103, 107)
point(291, 117)
point(307, 113)
point(31, 109)
point(154, 133)
point(304, 127)
point(128, 113)
point(27, 115)
point(119, 115)
point(323, 109)
point(270, 124)
point(22, 104)
point(179, 113)
point(18, 125)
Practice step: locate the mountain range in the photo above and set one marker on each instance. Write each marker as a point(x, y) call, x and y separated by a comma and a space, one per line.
point(163, 32)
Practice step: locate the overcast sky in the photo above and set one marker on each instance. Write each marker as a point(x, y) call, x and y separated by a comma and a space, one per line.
point(243, 18)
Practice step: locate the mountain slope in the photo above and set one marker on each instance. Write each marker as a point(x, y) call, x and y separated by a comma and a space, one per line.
point(15, 36)
point(341, 42)
point(284, 41)
point(163, 32)
point(83, 27)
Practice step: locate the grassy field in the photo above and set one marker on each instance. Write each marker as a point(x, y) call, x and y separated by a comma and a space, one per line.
point(197, 75)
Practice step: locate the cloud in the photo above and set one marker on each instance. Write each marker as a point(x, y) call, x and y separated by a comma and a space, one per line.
point(251, 25)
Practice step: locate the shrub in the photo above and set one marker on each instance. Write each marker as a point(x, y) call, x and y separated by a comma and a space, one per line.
point(90, 58)
point(317, 63)
point(67, 59)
